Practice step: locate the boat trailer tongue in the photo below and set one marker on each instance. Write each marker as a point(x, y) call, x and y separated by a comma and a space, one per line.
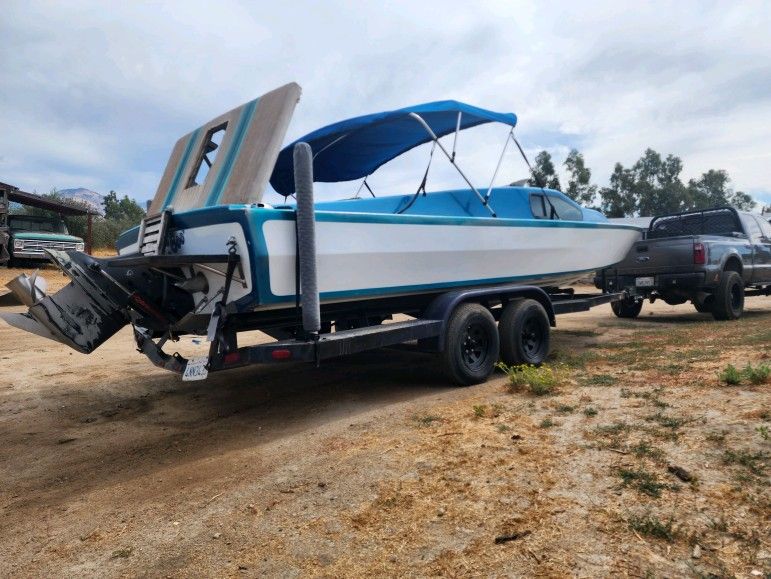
point(83, 315)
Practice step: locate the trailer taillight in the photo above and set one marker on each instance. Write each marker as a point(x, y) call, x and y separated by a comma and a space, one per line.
point(699, 254)
point(282, 354)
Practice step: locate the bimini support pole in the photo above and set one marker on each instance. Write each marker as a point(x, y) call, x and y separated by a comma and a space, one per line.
point(450, 157)
point(509, 137)
point(306, 239)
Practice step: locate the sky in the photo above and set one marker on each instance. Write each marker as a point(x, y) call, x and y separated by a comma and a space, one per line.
point(95, 94)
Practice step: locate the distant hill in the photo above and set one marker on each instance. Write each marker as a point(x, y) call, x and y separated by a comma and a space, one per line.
point(93, 198)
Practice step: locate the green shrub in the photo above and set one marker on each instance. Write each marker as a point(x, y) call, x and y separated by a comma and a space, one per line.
point(730, 375)
point(653, 527)
point(538, 380)
point(757, 375)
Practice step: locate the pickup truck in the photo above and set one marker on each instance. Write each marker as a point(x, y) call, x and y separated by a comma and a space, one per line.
point(712, 258)
point(30, 234)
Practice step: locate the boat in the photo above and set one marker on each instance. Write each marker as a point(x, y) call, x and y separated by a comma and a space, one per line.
point(210, 249)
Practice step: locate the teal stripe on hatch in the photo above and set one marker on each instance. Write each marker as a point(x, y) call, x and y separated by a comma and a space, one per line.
point(227, 166)
point(180, 168)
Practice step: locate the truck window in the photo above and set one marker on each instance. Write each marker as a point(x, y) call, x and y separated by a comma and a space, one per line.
point(23, 223)
point(765, 227)
point(752, 227)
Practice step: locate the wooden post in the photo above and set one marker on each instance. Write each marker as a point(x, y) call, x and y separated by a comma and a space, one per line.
point(89, 236)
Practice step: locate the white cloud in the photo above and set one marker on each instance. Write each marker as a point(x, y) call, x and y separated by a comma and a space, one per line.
point(100, 92)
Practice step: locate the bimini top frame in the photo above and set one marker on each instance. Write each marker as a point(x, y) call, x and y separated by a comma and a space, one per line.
point(355, 148)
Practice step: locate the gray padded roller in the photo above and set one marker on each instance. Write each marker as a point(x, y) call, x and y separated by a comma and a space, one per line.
point(306, 237)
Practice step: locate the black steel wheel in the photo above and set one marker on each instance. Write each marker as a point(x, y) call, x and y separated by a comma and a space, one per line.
point(728, 301)
point(524, 333)
point(470, 345)
point(627, 308)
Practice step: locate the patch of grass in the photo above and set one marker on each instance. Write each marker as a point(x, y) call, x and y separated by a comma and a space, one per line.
point(755, 462)
point(565, 408)
point(538, 380)
point(730, 375)
point(671, 423)
point(759, 374)
point(601, 380)
point(673, 369)
point(574, 360)
point(612, 429)
point(426, 419)
point(763, 432)
point(642, 481)
point(645, 449)
point(590, 411)
point(716, 437)
point(546, 423)
point(649, 395)
point(653, 527)
point(123, 553)
point(503, 428)
point(479, 410)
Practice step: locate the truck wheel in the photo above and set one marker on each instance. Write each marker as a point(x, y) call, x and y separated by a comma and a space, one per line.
point(524, 333)
point(728, 301)
point(471, 345)
point(704, 307)
point(627, 308)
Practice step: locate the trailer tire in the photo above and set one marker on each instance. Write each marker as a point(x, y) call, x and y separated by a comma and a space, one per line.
point(728, 301)
point(524, 333)
point(471, 345)
point(627, 308)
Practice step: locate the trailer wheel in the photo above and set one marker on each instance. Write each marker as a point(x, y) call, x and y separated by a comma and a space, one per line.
point(728, 302)
point(524, 333)
point(471, 345)
point(627, 308)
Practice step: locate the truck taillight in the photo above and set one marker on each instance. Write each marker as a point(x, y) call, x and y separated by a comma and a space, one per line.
point(699, 254)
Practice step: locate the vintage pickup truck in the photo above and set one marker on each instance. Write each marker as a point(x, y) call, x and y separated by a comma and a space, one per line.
point(30, 235)
point(712, 258)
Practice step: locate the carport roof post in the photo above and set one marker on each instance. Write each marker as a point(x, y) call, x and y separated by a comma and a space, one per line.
point(33, 200)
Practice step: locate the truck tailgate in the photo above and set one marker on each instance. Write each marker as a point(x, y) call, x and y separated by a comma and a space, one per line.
point(658, 256)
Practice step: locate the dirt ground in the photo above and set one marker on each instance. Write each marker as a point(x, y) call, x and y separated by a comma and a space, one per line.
point(642, 463)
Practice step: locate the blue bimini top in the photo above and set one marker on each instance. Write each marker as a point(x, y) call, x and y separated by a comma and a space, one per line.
point(356, 147)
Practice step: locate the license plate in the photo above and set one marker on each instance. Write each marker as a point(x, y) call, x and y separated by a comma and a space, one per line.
point(196, 369)
point(644, 282)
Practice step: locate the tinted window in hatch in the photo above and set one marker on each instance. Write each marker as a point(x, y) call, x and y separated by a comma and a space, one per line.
point(537, 206)
point(565, 210)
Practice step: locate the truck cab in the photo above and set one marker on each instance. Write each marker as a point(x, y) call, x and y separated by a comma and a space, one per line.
point(31, 234)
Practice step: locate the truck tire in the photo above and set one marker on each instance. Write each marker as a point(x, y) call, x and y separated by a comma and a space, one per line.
point(703, 307)
point(524, 333)
point(627, 308)
point(471, 345)
point(728, 301)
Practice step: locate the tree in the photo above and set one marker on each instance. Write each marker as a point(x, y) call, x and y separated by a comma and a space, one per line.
point(658, 187)
point(713, 189)
point(544, 174)
point(579, 187)
point(618, 200)
point(124, 209)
